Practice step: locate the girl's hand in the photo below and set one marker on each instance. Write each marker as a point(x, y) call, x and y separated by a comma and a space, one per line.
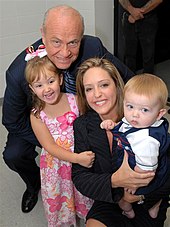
point(127, 178)
point(86, 159)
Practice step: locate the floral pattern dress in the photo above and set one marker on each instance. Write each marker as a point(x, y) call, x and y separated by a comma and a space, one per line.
point(61, 200)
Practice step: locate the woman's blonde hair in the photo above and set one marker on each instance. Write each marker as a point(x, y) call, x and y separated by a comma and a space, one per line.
point(33, 71)
point(149, 85)
point(114, 74)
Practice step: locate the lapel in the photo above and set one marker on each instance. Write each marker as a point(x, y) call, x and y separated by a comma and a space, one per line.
point(99, 142)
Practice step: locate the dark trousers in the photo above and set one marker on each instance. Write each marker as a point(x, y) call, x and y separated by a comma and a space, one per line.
point(142, 32)
point(20, 156)
point(111, 215)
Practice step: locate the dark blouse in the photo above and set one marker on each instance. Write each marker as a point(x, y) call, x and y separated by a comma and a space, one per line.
point(94, 182)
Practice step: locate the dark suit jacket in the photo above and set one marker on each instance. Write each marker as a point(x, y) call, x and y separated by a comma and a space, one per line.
point(17, 99)
point(94, 182)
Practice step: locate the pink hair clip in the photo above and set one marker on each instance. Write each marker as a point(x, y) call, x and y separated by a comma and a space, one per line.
point(40, 52)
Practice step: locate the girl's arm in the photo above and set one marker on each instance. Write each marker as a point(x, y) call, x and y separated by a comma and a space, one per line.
point(46, 140)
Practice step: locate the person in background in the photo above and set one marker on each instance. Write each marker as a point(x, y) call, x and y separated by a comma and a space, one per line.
point(143, 133)
point(53, 113)
point(67, 47)
point(140, 24)
point(100, 97)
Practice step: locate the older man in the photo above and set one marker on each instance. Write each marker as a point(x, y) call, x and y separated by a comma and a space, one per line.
point(66, 46)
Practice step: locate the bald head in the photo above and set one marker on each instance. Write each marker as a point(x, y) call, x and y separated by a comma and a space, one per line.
point(62, 32)
point(63, 13)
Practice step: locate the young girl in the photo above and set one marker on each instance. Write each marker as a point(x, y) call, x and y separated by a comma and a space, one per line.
point(53, 114)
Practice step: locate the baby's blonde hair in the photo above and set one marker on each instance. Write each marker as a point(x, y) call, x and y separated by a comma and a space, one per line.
point(150, 86)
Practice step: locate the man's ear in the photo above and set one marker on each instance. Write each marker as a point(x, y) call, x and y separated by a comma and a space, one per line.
point(42, 35)
point(161, 113)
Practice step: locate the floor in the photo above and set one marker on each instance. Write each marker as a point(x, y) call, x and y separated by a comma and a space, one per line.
point(12, 188)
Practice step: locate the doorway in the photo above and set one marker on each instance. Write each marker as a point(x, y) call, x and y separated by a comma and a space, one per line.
point(162, 46)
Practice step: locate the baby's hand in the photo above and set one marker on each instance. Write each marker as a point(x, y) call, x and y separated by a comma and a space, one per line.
point(86, 159)
point(107, 124)
point(131, 19)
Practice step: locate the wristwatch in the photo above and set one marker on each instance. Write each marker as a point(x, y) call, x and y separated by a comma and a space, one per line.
point(141, 199)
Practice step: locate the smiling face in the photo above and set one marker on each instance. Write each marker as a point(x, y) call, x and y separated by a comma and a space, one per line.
point(141, 111)
point(100, 92)
point(47, 87)
point(62, 34)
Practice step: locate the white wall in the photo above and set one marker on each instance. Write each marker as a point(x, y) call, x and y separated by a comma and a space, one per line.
point(104, 22)
point(20, 22)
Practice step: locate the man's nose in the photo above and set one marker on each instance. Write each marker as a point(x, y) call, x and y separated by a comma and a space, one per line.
point(64, 51)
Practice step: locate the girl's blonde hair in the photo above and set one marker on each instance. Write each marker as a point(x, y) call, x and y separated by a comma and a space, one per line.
point(149, 85)
point(33, 71)
point(114, 74)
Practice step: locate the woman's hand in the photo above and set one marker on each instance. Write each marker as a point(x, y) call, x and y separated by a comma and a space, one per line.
point(127, 178)
point(130, 198)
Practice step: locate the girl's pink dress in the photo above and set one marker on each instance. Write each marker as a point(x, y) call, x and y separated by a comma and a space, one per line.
point(62, 202)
